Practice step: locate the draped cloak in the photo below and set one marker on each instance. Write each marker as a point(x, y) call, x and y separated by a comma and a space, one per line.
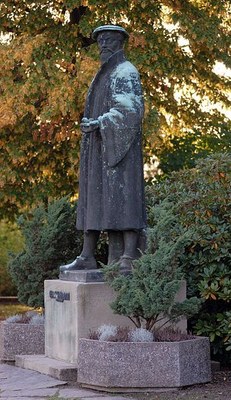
point(111, 184)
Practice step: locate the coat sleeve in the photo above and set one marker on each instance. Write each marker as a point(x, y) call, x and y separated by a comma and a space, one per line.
point(120, 125)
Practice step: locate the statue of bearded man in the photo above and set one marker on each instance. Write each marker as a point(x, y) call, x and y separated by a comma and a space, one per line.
point(111, 185)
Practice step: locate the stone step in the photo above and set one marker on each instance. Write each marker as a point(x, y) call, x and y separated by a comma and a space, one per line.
point(58, 369)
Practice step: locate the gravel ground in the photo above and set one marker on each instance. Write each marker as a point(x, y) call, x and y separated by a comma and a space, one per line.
point(218, 389)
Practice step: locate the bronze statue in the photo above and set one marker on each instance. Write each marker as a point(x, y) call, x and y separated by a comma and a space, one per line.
point(111, 185)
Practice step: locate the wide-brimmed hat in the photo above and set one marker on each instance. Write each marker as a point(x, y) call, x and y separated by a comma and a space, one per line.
point(114, 28)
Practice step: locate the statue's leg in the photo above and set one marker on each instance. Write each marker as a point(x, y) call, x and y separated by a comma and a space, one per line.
point(115, 247)
point(130, 249)
point(86, 260)
point(90, 240)
point(142, 242)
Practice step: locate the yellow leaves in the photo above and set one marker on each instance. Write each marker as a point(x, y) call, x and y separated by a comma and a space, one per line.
point(7, 62)
point(137, 41)
point(13, 108)
point(47, 172)
point(60, 98)
point(66, 94)
point(154, 58)
point(7, 115)
point(64, 133)
point(87, 68)
point(219, 176)
point(22, 47)
point(67, 67)
point(214, 246)
point(222, 175)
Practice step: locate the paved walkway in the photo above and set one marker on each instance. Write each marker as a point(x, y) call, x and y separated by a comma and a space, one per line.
point(21, 384)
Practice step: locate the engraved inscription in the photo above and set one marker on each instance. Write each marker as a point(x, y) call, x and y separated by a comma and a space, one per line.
point(59, 296)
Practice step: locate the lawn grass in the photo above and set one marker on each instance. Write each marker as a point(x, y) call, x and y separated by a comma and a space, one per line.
point(8, 309)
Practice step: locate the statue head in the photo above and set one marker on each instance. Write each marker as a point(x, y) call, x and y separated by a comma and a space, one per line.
point(110, 39)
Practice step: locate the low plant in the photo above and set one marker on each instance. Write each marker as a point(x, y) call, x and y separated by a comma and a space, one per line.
point(170, 334)
point(111, 333)
point(8, 309)
point(141, 335)
point(30, 317)
point(106, 331)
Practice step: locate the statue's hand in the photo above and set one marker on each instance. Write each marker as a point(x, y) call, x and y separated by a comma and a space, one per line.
point(89, 125)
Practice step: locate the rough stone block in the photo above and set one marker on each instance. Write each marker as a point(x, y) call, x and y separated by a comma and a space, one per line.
point(126, 365)
point(20, 339)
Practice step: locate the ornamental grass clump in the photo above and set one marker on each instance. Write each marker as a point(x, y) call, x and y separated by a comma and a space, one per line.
point(30, 317)
point(106, 331)
point(111, 333)
point(141, 335)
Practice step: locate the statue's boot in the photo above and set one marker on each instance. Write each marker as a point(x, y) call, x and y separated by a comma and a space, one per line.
point(86, 260)
point(81, 263)
point(125, 263)
point(116, 246)
point(130, 250)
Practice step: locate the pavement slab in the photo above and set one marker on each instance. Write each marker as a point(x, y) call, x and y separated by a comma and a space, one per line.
point(23, 384)
point(26, 398)
point(14, 378)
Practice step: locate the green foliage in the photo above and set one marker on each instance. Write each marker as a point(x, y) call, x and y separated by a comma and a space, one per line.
point(148, 295)
point(49, 64)
point(217, 326)
point(10, 240)
point(178, 152)
point(51, 240)
point(199, 199)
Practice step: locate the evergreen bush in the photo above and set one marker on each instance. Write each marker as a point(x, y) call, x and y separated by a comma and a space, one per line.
point(51, 240)
point(199, 201)
point(147, 296)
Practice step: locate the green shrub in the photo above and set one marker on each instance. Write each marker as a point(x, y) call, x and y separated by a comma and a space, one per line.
point(147, 296)
point(178, 152)
point(199, 200)
point(10, 240)
point(51, 240)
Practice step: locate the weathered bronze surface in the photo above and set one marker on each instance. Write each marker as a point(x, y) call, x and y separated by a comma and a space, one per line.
point(111, 185)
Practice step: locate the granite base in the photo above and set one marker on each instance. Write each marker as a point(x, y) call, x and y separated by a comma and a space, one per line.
point(133, 366)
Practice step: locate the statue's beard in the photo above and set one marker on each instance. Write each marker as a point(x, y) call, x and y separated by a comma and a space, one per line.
point(105, 54)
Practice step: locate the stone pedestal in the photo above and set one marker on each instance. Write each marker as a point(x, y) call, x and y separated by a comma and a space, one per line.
point(76, 306)
point(72, 310)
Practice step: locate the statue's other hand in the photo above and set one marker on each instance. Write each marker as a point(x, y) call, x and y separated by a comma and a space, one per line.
point(89, 125)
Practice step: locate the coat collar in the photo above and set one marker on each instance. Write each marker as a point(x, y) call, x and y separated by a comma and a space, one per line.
point(114, 60)
point(105, 70)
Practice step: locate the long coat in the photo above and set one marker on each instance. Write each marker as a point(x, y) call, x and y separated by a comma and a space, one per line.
point(111, 185)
